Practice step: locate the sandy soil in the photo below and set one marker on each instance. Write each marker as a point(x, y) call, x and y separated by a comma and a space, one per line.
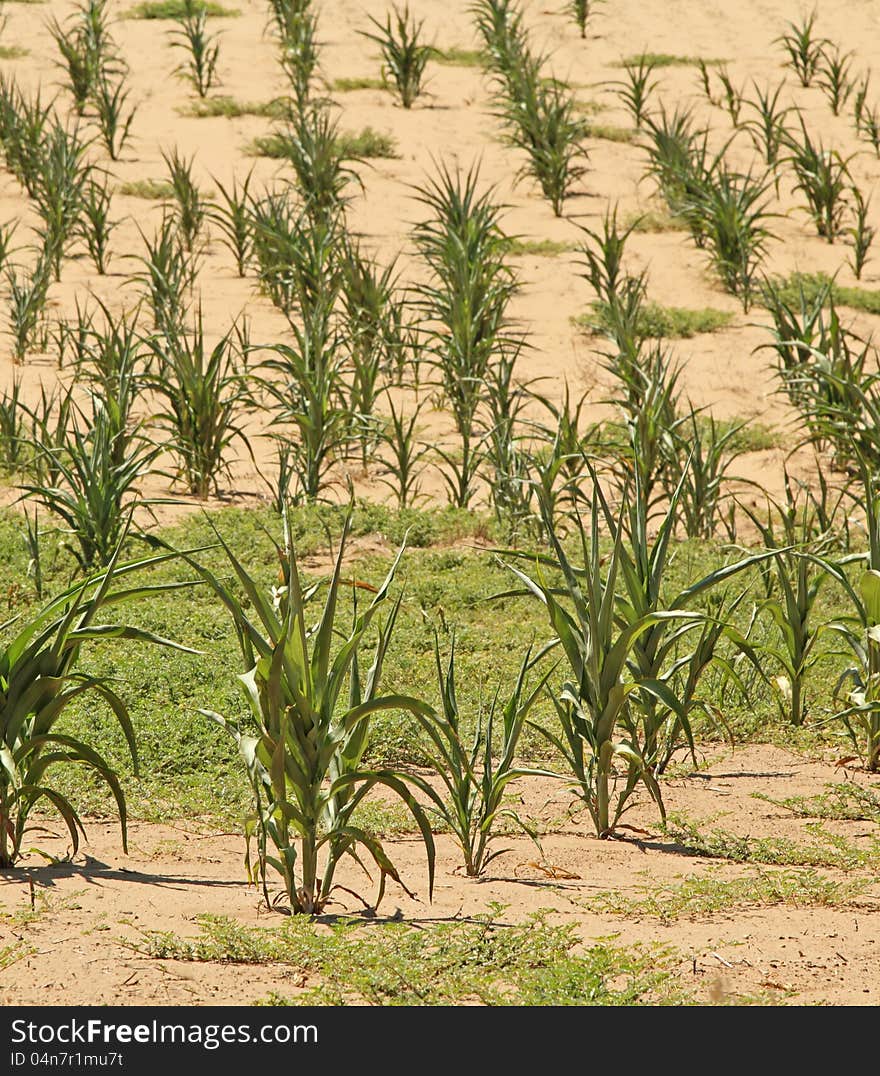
point(454, 122)
point(97, 909)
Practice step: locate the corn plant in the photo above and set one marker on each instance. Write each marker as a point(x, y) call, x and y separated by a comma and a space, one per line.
point(861, 232)
point(202, 395)
point(598, 644)
point(12, 426)
point(168, 274)
point(834, 78)
point(312, 147)
point(544, 123)
point(404, 53)
point(733, 97)
point(87, 50)
point(698, 470)
point(506, 449)
point(33, 544)
point(798, 574)
point(400, 463)
point(233, 217)
point(582, 12)
point(94, 225)
point(190, 209)
point(732, 210)
point(312, 706)
point(636, 90)
point(823, 177)
point(59, 190)
point(298, 44)
point(99, 467)
point(24, 123)
point(28, 293)
point(805, 50)
point(39, 668)
point(202, 49)
point(113, 123)
point(473, 770)
point(871, 127)
point(767, 128)
point(860, 100)
point(49, 424)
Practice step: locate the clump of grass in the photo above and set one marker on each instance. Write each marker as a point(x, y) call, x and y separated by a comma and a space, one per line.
point(435, 964)
point(656, 221)
point(665, 59)
point(12, 52)
point(711, 894)
point(365, 144)
point(458, 57)
point(655, 320)
point(211, 107)
point(812, 285)
point(541, 248)
point(843, 802)
point(176, 9)
point(153, 190)
point(609, 133)
point(348, 85)
point(825, 850)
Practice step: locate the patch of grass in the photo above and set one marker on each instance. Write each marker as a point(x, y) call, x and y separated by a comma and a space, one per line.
point(12, 52)
point(609, 133)
point(175, 9)
point(456, 57)
point(365, 144)
point(450, 963)
point(668, 322)
point(655, 221)
point(824, 850)
point(368, 144)
point(150, 189)
point(542, 248)
point(10, 954)
point(665, 59)
point(347, 85)
point(752, 437)
point(589, 107)
point(706, 895)
point(209, 107)
point(840, 803)
point(812, 284)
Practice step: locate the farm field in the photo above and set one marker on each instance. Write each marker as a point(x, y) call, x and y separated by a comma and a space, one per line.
point(565, 336)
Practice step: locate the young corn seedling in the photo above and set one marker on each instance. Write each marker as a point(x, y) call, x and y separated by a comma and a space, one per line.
point(582, 12)
point(202, 48)
point(731, 211)
point(40, 668)
point(113, 122)
point(767, 129)
point(860, 101)
point(28, 294)
point(805, 50)
point(169, 273)
point(637, 89)
point(311, 706)
point(404, 53)
point(312, 146)
point(796, 568)
point(596, 707)
point(190, 208)
point(33, 544)
point(100, 466)
point(861, 232)
point(60, 189)
point(201, 396)
point(233, 217)
point(401, 464)
point(871, 127)
point(733, 97)
point(476, 770)
point(834, 78)
point(299, 47)
point(12, 427)
point(823, 177)
point(50, 429)
point(87, 50)
point(699, 469)
point(94, 225)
